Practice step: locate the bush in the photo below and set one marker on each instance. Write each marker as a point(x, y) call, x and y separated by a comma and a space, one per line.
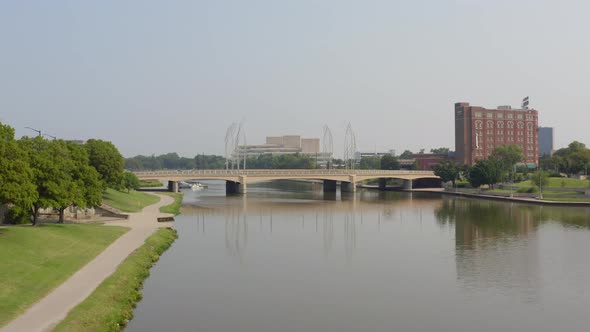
point(519, 177)
point(17, 215)
point(526, 190)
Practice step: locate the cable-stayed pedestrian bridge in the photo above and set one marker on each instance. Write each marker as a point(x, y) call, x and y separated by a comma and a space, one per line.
point(237, 180)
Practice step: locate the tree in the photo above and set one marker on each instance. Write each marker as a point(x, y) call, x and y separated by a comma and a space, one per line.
point(485, 171)
point(573, 159)
point(129, 181)
point(16, 175)
point(407, 154)
point(106, 159)
point(370, 162)
point(447, 170)
point(51, 177)
point(389, 162)
point(540, 179)
point(440, 151)
point(88, 183)
point(508, 156)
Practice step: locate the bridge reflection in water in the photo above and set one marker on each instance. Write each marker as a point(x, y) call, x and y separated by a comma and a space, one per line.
point(336, 223)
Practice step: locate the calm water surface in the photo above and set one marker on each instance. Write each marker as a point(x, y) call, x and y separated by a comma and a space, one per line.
point(286, 258)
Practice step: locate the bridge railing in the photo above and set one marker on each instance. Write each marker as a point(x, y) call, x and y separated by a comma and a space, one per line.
point(281, 172)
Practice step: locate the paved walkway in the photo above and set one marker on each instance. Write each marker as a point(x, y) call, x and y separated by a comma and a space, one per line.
point(53, 308)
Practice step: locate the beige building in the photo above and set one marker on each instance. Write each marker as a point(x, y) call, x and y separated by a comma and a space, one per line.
point(310, 145)
point(277, 145)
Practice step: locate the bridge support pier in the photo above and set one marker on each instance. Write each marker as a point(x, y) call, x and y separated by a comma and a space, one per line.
point(329, 186)
point(234, 187)
point(173, 186)
point(408, 184)
point(347, 187)
point(382, 184)
point(350, 186)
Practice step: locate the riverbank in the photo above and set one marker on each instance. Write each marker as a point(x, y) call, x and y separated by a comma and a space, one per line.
point(54, 307)
point(111, 305)
point(527, 200)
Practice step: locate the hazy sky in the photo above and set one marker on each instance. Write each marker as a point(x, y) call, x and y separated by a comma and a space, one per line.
point(164, 76)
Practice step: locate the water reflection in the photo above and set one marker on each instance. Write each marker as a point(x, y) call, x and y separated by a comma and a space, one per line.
point(293, 259)
point(497, 243)
point(348, 211)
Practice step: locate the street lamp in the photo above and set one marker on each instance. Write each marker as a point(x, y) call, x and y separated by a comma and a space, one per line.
point(33, 129)
point(54, 138)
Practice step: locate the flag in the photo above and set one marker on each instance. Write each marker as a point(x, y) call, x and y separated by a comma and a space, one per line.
point(525, 102)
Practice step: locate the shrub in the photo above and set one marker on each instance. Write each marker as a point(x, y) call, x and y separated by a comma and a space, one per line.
point(17, 215)
point(526, 190)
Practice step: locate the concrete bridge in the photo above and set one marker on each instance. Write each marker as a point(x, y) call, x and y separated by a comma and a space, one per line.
point(237, 180)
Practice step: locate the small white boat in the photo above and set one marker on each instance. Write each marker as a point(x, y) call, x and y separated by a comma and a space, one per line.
point(198, 186)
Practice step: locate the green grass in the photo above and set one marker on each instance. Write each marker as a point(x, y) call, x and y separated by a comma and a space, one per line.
point(134, 201)
point(35, 260)
point(173, 208)
point(150, 183)
point(111, 305)
point(559, 183)
point(566, 199)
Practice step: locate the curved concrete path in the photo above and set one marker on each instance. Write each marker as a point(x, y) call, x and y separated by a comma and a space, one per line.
point(53, 308)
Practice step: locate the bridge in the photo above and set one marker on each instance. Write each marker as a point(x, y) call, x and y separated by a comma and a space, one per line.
point(237, 180)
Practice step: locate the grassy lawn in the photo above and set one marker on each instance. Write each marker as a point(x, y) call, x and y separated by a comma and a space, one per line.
point(559, 183)
point(35, 260)
point(111, 305)
point(173, 208)
point(134, 201)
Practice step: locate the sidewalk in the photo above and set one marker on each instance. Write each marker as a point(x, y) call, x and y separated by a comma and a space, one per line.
point(49, 311)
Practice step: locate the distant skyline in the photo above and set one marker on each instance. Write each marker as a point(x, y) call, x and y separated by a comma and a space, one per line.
point(170, 76)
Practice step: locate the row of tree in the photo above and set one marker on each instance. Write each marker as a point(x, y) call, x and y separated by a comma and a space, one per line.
point(574, 159)
point(500, 166)
point(174, 161)
point(36, 173)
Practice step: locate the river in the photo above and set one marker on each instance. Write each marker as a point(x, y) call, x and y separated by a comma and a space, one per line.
point(285, 257)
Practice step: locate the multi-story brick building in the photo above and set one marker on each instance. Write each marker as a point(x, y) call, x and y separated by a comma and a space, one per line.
point(478, 131)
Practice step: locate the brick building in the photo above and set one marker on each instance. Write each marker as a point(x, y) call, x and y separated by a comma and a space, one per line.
point(478, 131)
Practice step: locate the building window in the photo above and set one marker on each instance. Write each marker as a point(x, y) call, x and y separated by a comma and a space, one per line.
point(490, 124)
point(490, 146)
point(490, 138)
point(490, 132)
point(529, 116)
point(519, 116)
point(478, 124)
point(520, 124)
point(510, 116)
point(510, 132)
point(500, 132)
point(500, 124)
point(500, 115)
point(478, 114)
point(510, 124)
point(500, 139)
point(490, 115)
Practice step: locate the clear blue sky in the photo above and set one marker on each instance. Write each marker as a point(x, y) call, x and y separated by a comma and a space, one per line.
point(163, 76)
